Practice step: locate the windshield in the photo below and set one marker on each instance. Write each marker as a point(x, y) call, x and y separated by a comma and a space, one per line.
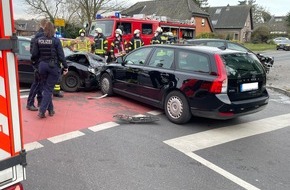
point(105, 25)
point(242, 65)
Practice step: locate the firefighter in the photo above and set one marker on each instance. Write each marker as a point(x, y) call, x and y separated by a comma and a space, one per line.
point(117, 46)
point(100, 43)
point(82, 43)
point(171, 38)
point(136, 41)
point(158, 38)
point(36, 86)
point(67, 43)
point(49, 52)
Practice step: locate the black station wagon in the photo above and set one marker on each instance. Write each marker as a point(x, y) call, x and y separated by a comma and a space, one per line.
point(189, 80)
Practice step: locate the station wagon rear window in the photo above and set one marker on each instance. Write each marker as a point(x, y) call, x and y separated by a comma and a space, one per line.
point(241, 65)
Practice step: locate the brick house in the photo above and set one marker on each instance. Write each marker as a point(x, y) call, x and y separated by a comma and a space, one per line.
point(234, 22)
point(26, 27)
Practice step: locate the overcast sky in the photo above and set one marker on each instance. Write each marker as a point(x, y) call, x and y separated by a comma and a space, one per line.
point(275, 7)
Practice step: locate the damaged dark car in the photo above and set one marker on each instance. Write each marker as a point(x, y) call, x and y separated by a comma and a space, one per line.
point(83, 68)
point(83, 72)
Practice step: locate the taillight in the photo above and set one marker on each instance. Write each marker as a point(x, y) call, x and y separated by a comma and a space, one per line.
point(17, 186)
point(220, 84)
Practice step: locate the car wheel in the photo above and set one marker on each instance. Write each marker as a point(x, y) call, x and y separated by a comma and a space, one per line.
point(106, 84)
point(177, 108)
point(70, 82)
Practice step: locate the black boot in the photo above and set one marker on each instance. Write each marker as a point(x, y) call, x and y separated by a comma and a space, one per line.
point(58, 94)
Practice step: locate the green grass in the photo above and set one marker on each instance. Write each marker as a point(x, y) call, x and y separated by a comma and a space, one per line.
point(260, 47)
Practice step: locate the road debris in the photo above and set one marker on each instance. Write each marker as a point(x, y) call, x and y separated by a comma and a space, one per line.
point(97, 97)
point(137, 118)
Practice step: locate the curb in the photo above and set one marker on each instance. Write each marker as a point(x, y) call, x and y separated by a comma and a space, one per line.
point(282, 91)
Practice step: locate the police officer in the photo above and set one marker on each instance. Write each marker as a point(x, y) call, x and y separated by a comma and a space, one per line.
point(49, 52)
point(82, 42)
point(136, 41)
point(100, 43)
point(36, 86)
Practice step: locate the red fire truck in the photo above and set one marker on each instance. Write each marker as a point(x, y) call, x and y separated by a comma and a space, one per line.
point(12, 154)
point(146, 24)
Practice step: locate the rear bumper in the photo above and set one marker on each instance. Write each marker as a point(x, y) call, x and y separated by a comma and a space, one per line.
point(229, 110)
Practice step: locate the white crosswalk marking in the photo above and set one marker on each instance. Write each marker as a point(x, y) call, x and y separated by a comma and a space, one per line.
point(32, 146)
point(190, 143)
point(103, 126)
point(64, 137)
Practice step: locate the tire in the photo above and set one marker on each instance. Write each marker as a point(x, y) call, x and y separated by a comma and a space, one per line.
point(177, 108)
point(106, 85)
point(70, 82)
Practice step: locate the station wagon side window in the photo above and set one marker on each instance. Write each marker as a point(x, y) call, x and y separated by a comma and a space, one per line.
point(237, 47)
point(162, 57)
point(215, 44)
point(138, 57)
point(191, 61)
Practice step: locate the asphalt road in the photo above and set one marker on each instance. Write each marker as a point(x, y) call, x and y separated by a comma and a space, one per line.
point(250, 152)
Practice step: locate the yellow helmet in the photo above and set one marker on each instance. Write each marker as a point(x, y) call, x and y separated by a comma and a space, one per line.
point(82, 31)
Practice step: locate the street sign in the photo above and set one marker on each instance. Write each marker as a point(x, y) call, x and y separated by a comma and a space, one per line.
point(59, 22)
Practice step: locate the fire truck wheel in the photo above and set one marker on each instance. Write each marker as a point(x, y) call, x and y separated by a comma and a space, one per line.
point(106, 84)
point(70, 82)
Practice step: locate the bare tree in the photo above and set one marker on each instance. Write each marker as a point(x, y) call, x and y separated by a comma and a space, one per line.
point(82, 10)
point(46, 8)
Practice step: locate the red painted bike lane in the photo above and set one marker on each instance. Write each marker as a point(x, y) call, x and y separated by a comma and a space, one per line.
point(75, 112)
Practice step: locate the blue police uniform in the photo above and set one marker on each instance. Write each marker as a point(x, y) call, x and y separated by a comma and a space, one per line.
point(50, 54)
point(36, 86)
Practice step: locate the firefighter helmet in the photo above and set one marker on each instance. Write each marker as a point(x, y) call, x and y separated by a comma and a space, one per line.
point(98, 30)
point(159, 30)
point(118, 31)
point(82, 31)
point(136, 31)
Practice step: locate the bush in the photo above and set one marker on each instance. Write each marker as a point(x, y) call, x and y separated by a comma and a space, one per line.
point(261, 35)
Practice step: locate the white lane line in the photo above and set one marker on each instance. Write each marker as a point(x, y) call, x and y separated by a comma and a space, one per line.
point(24, 96)
point(155, 112)
point(103, 126)
point(65, 137)
point(190, 143)
point(222, 135)
point(24, 90)
point(221, 171)
point(32, 146)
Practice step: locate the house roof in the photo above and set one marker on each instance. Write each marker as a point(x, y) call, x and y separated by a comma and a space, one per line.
point(228, 17)
point(27, 25)
point(278, 24)
point(182, 9)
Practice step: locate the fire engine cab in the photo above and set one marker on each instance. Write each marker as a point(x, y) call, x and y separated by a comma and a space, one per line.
point(181, 29)
point(12, 154)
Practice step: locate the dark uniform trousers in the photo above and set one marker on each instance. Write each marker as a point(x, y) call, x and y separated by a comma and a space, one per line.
point(49, 77)
point(35, 89)
point(36, 86)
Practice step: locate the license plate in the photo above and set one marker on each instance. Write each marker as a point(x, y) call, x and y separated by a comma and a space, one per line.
point(249, 86)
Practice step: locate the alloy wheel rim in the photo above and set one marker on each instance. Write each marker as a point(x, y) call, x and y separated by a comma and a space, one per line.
point(175, 107)
point(105, 85)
